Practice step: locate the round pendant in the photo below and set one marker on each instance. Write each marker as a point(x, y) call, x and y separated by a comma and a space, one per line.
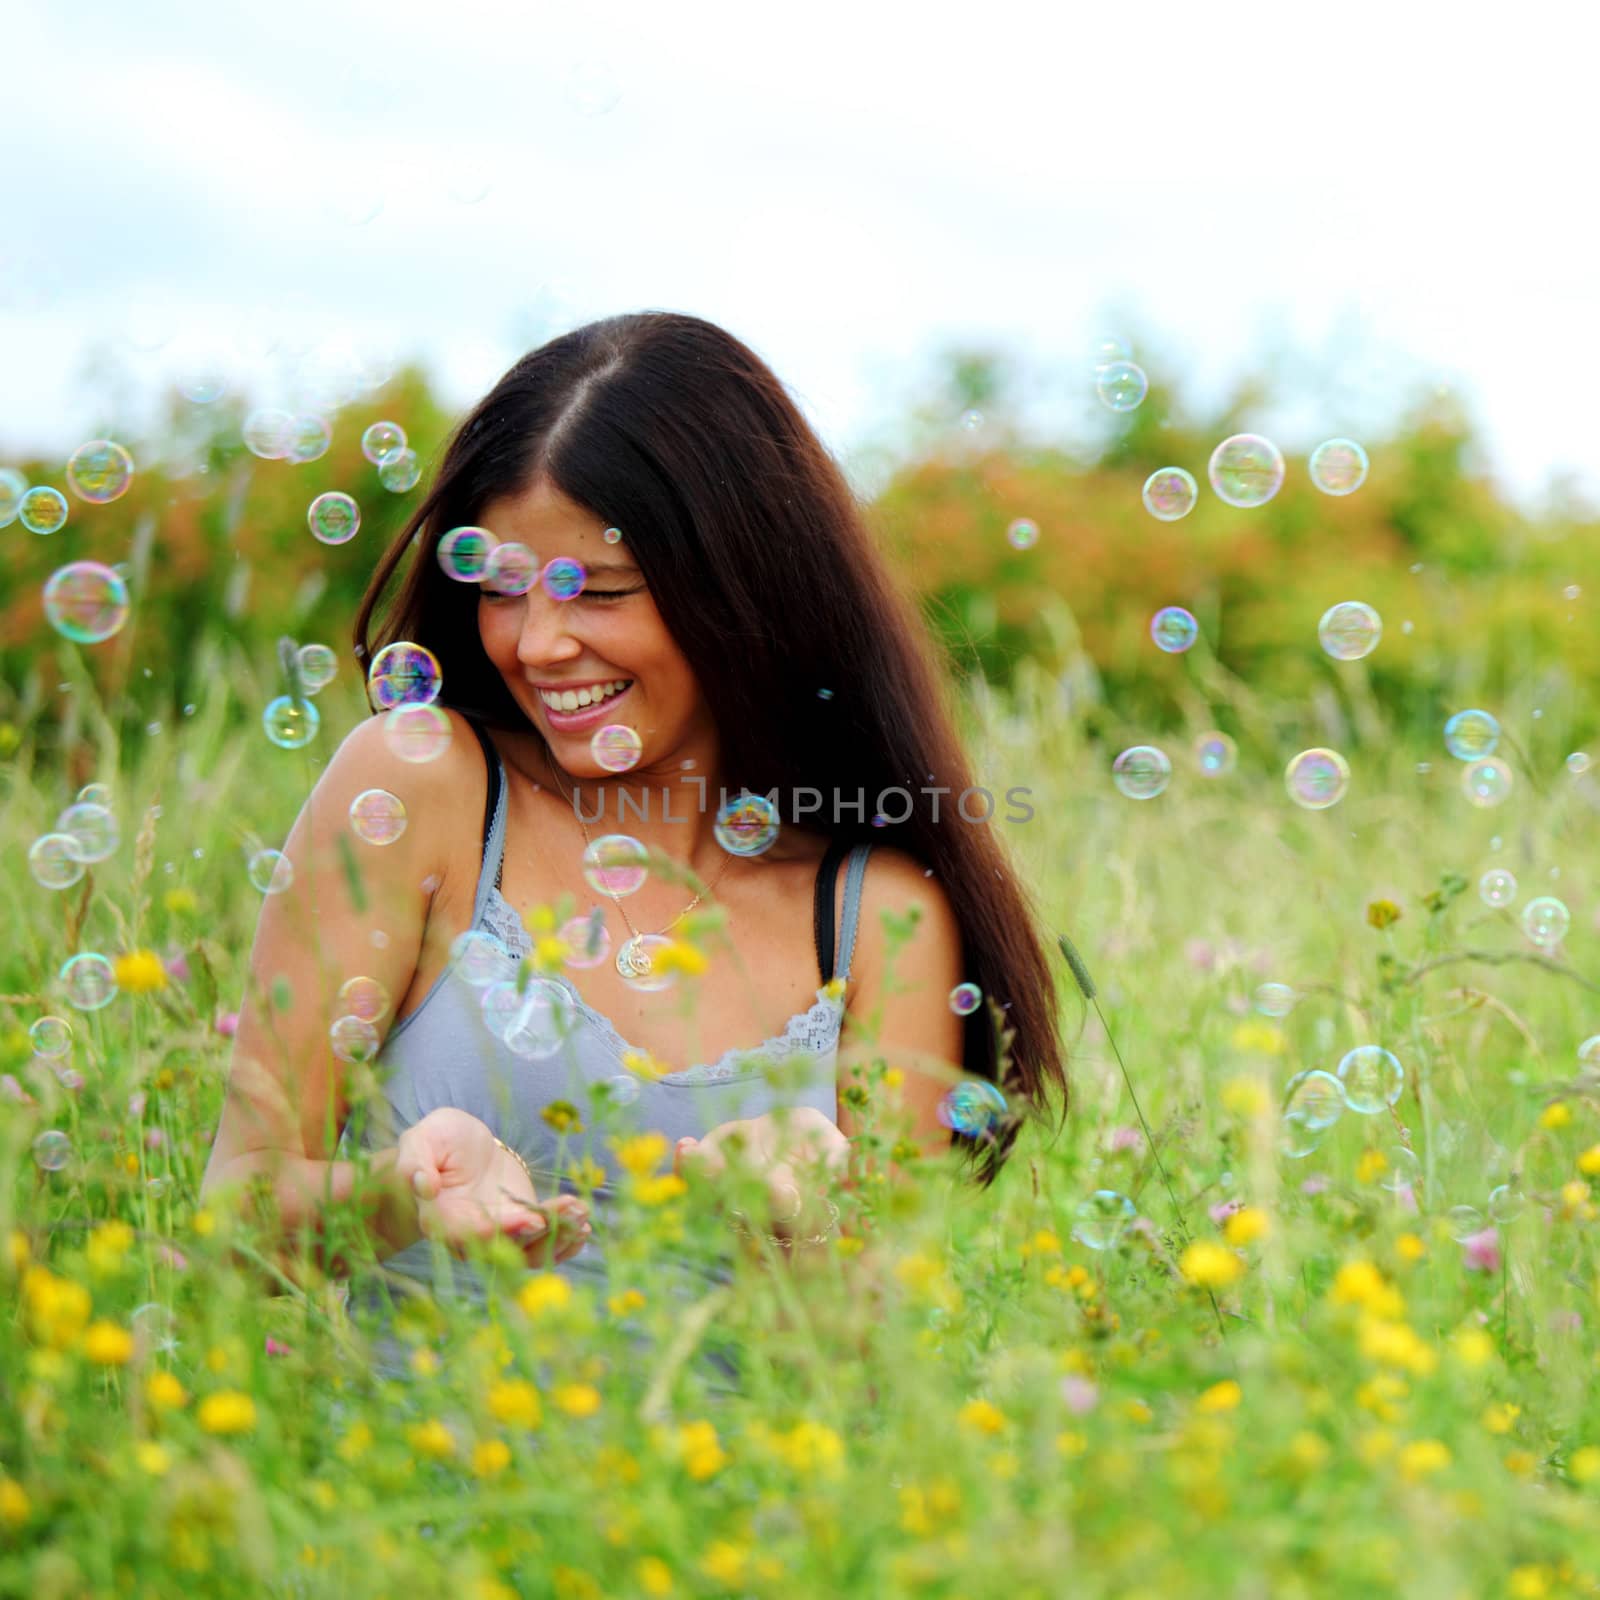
point(628, 957)
point(636, 963)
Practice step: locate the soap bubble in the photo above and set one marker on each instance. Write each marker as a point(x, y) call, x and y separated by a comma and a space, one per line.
point(92, 827)
point(1215, 754)
point(1464, 1222)
point(1246, 470)
point(1487, 782)
point(1578, 763)
point(400, 472)
point(54, 861)
point(363, 997)
point(353, 1039)
point(43, 510)
point(1497, 887)
point(510, 569)
point(89, 980)
point(271, 871)
point(334, 518)
point(318, 664)
point(1317, 779)
point(403, 673)
point(1298, 1137)
point(1372, 1078)
point(1350, 630)
point(1338, 466)
point(1023, 534)
point(636, 962)
point(1506, 1203)
point(587, 940)
point(1122, 385)
point(1170, 493)
point(86, 602)
point(269, 434)
point(1471, 735)
point(478, 960)
point(1274, 999)
point(1141, 772)
point(612, 536)
point(747, 825)
point(1589, 1053)
point(417, 733)
point(563, 578)
point(313, 437)
point(541, 1023)
point(464, 552)
point(382, 440)
point(100, 472)
point(12, 488)
point(1404, 1172)
point(52, 1150)
point(965, 998)
point(50, 1037)
point(615, 863)
point(1174, 629)
point(1317, 1097)
point(94, 794)
point(616, 747)
point(289, 723)
point(621, 1090)
point(1546, 920)
point(1102, 1219)
point(377, 816)
point(972, 1107)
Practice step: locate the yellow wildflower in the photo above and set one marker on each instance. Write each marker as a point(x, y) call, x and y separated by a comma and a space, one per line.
point(1244, 1097)
point(587, 1173)
point(981, 1416)
point(1473, 1347)
point(550, 952)
point(1260, 1037)
point(107, 1245)
point(641, 1154)
point(1501, 1416)
point(1584, 1464)
point(356, 1442)
point(14, 1503)
point(1521, 1462)
point(152, 1458)
point(1589, 1161)
point(703, 1456)
point(108, 1345)
point(563, 1116)
point(1372, 1166)
point(1072, 1443)
point(811, 1448)
point(431, 1439)
point(1245, 1226)
point(724, 1563)
point(644, 1065)
point(1360, 1283)
point(626, 1303)
point(227, 1411)
point(204, 1223)
point(180, 902)
point(1419, 1458)
point(1558, 1114)
point(544, 1291)
point(540, 920)
point(164, 1392)
point(1222, 1396)
point(58, 1308)
point(1136, 1410)
point(20, 1253)
point(1529, 1582)
point(1308, 1451)
point(1210, 1265)
point(1043, 1243)
point(658, 1190)
point(833, 990)
point(139, 972)
point(1382, 914)
point(1574, 1194)
point(424, 1362)
point(490, 1457)
point(654, 1575)
point(576, 1399)
point(679, 957)
point(1409, 1247)
point(515, 1401)
point(1396, 1344)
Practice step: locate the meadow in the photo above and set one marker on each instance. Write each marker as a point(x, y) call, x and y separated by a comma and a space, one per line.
point(1354, 1359)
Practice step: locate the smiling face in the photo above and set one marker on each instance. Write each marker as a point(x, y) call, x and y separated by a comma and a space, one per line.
point(605, 656)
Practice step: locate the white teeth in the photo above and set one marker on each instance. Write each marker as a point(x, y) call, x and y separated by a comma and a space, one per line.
point(576, 699)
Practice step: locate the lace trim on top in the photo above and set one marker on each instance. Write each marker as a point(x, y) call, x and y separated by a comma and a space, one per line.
point(814, 1031)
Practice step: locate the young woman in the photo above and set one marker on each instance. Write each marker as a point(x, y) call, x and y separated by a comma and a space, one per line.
point(735, 615)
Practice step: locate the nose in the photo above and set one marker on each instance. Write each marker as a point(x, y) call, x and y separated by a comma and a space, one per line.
point(546, 634)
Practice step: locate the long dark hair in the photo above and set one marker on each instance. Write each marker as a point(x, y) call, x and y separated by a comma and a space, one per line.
point(761, 564)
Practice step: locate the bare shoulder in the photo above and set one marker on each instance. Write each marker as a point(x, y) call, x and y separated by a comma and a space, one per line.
point(366, 759)
point(898, 884)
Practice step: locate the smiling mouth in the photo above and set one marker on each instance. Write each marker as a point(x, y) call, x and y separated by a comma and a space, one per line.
point(567, 701)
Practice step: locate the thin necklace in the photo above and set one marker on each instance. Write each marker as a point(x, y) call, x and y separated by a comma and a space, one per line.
point(632, 959)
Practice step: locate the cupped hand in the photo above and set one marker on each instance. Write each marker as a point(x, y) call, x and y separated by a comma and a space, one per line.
point(467, 1187)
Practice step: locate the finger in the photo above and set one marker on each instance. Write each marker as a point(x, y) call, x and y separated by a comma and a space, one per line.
point(680, 1153)
point(425, 1182)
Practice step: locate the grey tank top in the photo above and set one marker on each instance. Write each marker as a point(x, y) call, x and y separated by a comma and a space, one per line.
point(444, 1054)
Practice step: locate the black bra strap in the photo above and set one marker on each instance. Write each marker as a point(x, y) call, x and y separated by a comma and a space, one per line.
point(827, 877)
point(492, 797)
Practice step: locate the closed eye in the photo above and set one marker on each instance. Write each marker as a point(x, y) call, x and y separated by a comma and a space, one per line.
point(609, 594)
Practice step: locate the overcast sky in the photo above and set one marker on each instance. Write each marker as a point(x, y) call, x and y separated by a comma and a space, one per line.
point(1400, 195)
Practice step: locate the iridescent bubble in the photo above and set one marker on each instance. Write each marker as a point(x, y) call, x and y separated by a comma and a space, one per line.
point(86, 602)
point(972, 1107)
point(591, 88)
point(1111, 349)
point(1338, 466)
point(479, 960)
point(313, 436)
point(1174, 629)
point(643, 974)
point(1274, 999)
point(1023, 534)
point(203, 386)
point(615, 863)
point(89, 980)
point(400, 471)
point(965, 998)
point(1102, 1219)
point(1589, 1053)
point(92, 828)
point(510, 569)
point(417, 733)
point(464, 552)
point(1471, 735)
point(1506, 1203)
point(1141, 772)
point(587, 939)
point(564, 578)
point(1215, 754)
point(377, 816)
point(622, 1090)
point(1316, 1097)
point(1317, 779)
point(353, 1039)
point(1372, 1078)
point(269, 433)
point(94, 794)
point(1403, 1174)
point(1297, 1136)
point(616, 747)
point(43, 510)
point(50, 1037)
point(271, 871)
point(1350, 630)
point(100, 472)
point(404, 674)
point(12, 488)
point(1170, 493)
point(382, 440)
point(334, 518)
point(612, 536)
point(1464, 1222)
point(542, 1022)
point(52, 1150)
point(1246, 470)
point(54, 861)
point(1578, 763)
point(1497, 888)
point(747, 825)
point(318, 664)
point(1487, 782)
point(362, 997)
point(1121, 385)
point(289, 723)
point(1546, 920)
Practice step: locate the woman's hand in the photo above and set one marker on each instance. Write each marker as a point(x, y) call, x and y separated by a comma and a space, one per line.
point(774, 1145)
point(467, 1187)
